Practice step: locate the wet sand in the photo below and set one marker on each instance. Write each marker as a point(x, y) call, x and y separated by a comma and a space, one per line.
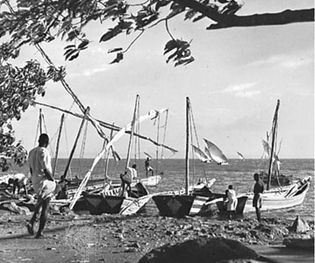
point(113, 238)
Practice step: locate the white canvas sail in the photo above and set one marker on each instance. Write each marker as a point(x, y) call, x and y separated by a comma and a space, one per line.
point(240, 155)
point(215, 153)
point(200, 154)
point(266, 148)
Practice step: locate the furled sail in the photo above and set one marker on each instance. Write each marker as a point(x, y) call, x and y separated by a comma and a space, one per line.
point(215, 153)
point(200, 154)
point(240, 155)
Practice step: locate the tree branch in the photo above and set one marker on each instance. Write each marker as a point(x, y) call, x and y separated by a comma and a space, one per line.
point(285, 17)
point(225, 21)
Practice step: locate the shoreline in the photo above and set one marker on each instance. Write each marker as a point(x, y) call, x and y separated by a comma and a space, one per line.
point(113, 238)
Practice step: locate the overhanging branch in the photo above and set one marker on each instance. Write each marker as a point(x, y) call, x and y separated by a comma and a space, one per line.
point(285, 17)
point(225, 21)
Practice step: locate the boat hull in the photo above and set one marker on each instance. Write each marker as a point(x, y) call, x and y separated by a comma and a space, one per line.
point(173, 205)
point(98, 204)
point(241, 203)
point(281, 198)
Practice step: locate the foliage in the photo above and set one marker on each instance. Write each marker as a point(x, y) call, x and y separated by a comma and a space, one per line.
point(33, 22)
point(19, 87)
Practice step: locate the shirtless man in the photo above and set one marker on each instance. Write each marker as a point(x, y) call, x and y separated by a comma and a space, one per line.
point(43, 182)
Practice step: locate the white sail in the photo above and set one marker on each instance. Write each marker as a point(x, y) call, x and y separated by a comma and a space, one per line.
point(266, 149)
point(200, 154)
point(215, 153)
point(240, 155)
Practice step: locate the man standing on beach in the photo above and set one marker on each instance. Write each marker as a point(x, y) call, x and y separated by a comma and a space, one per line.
point(258, 190)
point(43, 183)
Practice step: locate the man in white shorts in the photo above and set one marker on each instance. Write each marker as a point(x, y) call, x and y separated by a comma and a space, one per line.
point(43, 183)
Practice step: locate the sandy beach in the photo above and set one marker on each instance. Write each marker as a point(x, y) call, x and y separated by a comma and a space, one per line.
point(113, 238)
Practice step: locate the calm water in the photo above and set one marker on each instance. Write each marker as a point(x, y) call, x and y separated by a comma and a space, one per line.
point(239, 173)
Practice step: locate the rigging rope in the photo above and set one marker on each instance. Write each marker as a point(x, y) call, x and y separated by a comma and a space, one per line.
point(164, 133)
point(67, 148)
point(157, 139)
point(72, 94)
point(82, 150)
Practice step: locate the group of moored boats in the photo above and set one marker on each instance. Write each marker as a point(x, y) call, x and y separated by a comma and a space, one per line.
point(200, 200)
point(104, 196)
point(107, 197)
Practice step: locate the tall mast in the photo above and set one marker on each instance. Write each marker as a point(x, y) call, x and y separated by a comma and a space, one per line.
point(40, 122)
point(273, 139)
point(187, 146)
point(57, 145)
point(132, 131)
point(107, 155)
point(76, 142)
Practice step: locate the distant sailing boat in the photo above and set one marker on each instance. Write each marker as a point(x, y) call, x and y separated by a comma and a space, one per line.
point(212, 153)
point(215, 153)
point(202, 156)
point(240, 156)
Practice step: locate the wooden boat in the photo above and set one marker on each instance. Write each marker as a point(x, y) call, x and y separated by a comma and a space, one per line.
point(189, 202)
point(113, 200)
point(100, 203)
point(279, 197)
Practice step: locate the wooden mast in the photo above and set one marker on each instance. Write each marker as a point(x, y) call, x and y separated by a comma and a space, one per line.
point(107, 156)
point(108, 126)
point(187, 147)
point(75, 143)
point(132, 132)
point(40, 122)
point(57, 145)
point(273, 139)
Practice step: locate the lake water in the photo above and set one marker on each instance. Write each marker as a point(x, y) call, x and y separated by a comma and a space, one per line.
point(239, 173)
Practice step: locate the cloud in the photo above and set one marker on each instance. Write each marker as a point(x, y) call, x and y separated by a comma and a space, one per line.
point(243, 90)
point(89, 72)
point(283, 61)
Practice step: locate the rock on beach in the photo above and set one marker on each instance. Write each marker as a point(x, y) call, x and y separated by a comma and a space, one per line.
point(203, 250)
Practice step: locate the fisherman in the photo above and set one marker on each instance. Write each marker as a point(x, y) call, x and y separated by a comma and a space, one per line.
point(231, 199)
point(43, 183)
point(148, 168)
point(258, 190)
point(127, 178)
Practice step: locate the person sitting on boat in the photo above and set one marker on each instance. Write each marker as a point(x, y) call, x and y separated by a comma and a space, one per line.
point(148, 168)
point(63, 188)
point(127, 178)
point(258, 190)
point(230, 196)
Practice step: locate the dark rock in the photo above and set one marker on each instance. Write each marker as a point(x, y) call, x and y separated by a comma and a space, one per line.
point(201, 250)
point(306, 243)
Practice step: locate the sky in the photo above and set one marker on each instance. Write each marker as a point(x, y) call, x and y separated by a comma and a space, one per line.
point(233, 85)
